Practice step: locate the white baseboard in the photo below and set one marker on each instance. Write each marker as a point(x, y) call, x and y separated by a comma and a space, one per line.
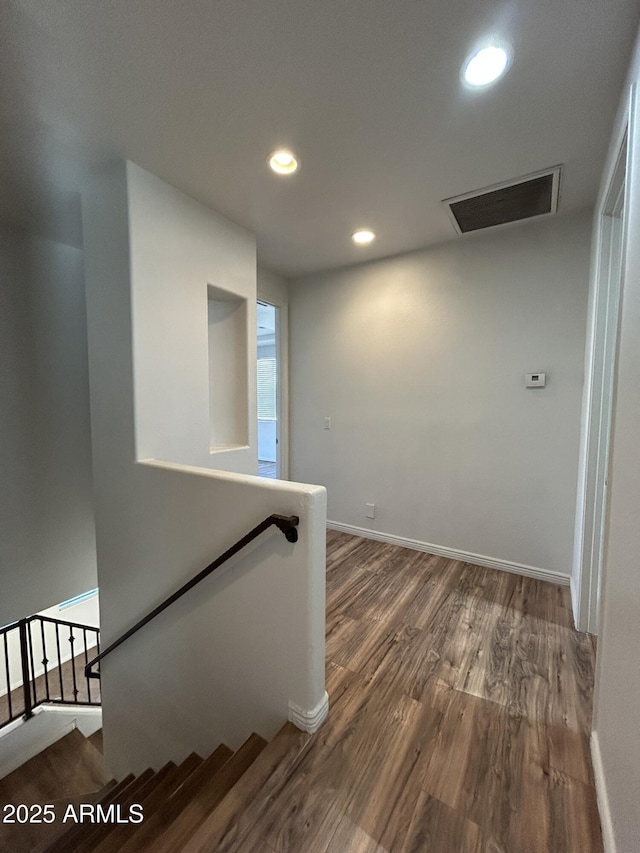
point(24, 739)
point(453, 554)
point(608, 839)
point(309, 721)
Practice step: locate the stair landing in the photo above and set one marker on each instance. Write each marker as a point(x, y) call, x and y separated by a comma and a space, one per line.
point(69, 771)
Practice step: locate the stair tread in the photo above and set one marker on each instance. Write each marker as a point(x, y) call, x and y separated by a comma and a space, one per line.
point(239, 811)
point(56, 830)
point(149, 797)
point(91, 834)
point(144, 836)
point(80, 832)
point(210, 793)
point(150, 803)
point(196, 807)
point(36, 837)
point(97, 740)
point(64, 840)
point(115, 790)
point(68, 767)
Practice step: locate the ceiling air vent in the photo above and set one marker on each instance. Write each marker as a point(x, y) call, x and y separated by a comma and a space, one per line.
point(533, 195)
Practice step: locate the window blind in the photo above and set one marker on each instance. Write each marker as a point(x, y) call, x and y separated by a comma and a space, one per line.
point(267, 383)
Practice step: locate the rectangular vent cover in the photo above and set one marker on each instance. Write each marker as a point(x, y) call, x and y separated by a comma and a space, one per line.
point(533, 195)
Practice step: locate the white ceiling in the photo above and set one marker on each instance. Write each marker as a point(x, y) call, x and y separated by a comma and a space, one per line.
point(366, 92)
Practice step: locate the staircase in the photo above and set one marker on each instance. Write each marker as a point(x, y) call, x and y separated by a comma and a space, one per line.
point(197, 805)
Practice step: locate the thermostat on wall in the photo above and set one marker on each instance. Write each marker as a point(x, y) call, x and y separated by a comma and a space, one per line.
point(535, 380)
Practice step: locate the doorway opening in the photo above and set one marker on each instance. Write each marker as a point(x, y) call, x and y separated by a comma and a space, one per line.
point(268, 386)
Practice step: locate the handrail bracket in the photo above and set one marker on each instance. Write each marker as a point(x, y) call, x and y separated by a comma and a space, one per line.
point(287, 524)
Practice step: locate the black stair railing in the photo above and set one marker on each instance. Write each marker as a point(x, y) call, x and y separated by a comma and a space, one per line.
point(287, 524)
point(42, 661)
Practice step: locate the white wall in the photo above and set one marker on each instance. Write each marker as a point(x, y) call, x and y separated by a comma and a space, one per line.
point(230, 656)
point(419, 360)
point(47, 546)
point(617, 696)
point(171, 331)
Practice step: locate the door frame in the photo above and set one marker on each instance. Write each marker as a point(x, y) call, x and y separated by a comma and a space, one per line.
point(599, 390)
point(282, 385)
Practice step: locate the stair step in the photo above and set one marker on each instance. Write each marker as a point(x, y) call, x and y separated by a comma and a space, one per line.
point(36, 837)
point(96, 739)
point(52, 832)
point(64, 840)
point(150, 803)
point(209, 794)
point(68, 767)
point(239, 811)
point(144, 837)
point(80, 832)
point(196, 807)
point(106, 789)
point(89, 840)
point(112, 835)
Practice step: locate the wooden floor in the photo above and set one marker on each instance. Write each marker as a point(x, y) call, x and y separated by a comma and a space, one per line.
point(459, 723)
point(460, 717)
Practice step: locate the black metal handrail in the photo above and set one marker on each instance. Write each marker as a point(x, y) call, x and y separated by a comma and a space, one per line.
point(36, 682)
point(287, 524)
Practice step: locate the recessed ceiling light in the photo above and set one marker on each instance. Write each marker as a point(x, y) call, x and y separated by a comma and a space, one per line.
point(485, 66)
point(363, 236)
point(283, 162)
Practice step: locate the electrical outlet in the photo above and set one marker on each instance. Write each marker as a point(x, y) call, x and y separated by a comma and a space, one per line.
point(327, 423)
point(535, 380)
point(370, 511)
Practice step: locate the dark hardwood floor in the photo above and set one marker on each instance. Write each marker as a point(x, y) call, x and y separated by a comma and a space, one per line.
point(460, 717)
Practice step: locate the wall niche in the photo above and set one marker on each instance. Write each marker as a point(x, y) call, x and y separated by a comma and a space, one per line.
point(228, 370)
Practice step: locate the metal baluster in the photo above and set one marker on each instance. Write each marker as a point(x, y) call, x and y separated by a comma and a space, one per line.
point(34, 700)
point(6, 668)
point(86, 661)
point(24, 656)
point(59, 662)
point(98, 647)
point(72, 640)
point(98, 651)
point(28, 655)
point(45, 660)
